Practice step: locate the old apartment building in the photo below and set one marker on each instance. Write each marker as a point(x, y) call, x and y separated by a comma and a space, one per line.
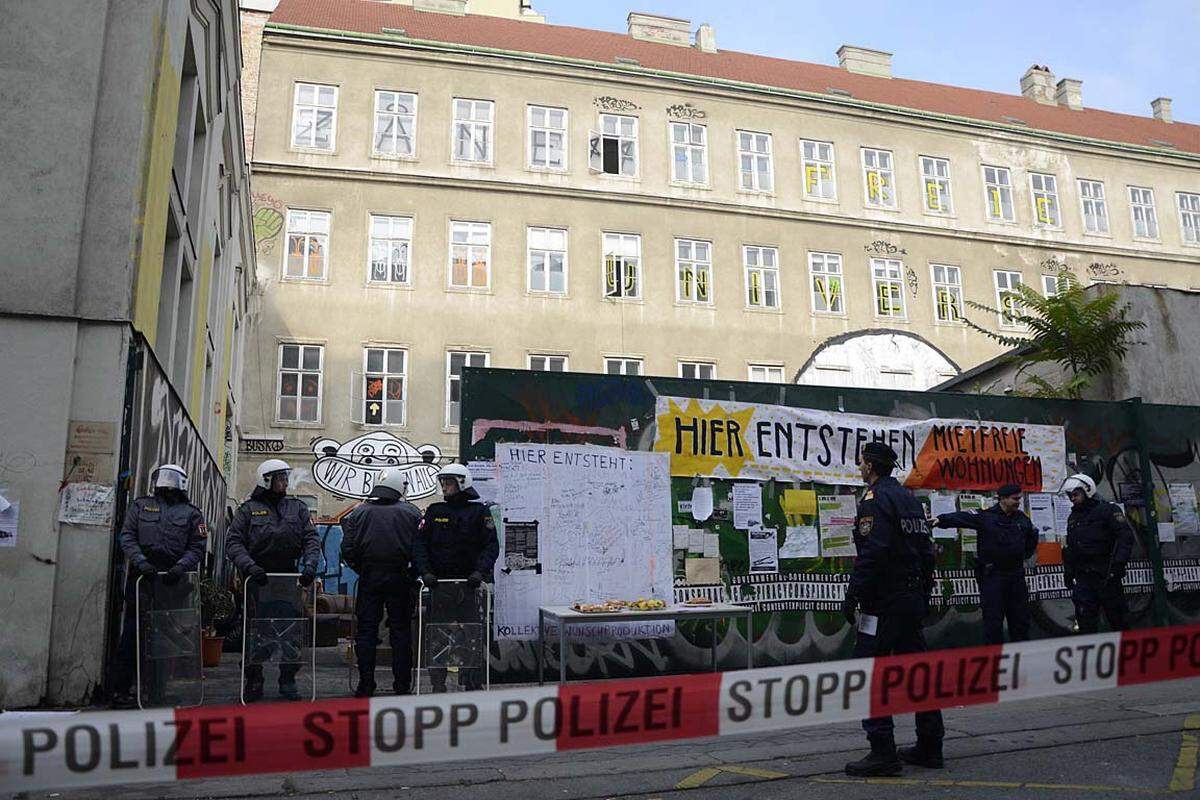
point(438, 189)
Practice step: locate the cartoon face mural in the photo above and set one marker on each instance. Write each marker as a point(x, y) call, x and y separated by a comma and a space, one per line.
point(350, 468)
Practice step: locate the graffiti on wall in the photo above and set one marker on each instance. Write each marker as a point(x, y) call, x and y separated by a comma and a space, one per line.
point(268, 220)
point(350, 468)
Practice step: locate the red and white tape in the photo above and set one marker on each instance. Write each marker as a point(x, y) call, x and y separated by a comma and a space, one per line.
point(101, 748)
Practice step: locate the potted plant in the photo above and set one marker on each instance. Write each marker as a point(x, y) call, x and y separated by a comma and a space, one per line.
point(216, 603)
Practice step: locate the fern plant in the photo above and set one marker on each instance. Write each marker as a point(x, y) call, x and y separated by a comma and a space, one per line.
point(1087, 336)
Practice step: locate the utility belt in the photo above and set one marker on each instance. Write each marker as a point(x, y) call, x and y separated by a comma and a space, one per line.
point(986, 568)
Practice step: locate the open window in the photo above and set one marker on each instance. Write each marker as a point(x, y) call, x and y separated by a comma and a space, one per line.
point(612, 150)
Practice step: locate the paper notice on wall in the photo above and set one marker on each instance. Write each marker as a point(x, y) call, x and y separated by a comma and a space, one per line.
point(4, 504)
point(10, 515)
point(712, 545)
point(1062, 512)
point(969, 501)
point(747, 505)
point(696, 540)
point(801, 542)
point(943, 503)
point(1166, 531)
point(764, 549)
point(797, 503)
point(680, 537)
point(702, 571)
point(485, 477)
point(1041, 514)
point(86, 504)
point(836, 516)
point(1183, 509)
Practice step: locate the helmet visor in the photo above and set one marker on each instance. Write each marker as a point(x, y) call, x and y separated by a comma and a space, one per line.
point(169, 479)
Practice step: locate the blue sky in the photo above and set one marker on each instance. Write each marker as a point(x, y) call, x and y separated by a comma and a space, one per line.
point(1126, 52)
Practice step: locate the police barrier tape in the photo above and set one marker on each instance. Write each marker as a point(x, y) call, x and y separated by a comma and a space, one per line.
point(99, 748)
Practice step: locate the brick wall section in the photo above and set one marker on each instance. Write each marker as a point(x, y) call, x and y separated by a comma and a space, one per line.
point(253, 23)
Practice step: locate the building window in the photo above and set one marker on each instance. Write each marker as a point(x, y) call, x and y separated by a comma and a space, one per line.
point(947, 293)
point(754, 161)
point(391, 241)
point(613, 149)
point(623, 366)
point(622, 265)
point(1007, 299)
point(935, 176)
point(470, 255)
point(998, 197)
point(1095, 211)
point(307, 244)
point(697, 370)
point(548, 138)
point(547, 260)
point(456, 360)
point(395, 123)
point(888, 276)
point(1189, 217)
point(300, 382)
point(878, 178)
point(1050, 285)
point(762, 276)
point(384, 385)
point(473, 131)
point(693, 271)
point(1045, 199)
point(314, 116)
point(689, 153)
point(1145, 218)
point(825, 276)
point(765, 373)
point(816, 162)
point(548, 363)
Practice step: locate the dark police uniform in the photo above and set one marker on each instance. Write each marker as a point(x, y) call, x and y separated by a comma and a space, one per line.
point(457, 539)
point(1005, 542)
point(377, 543)
point(270, 533)
point(892, 579)
point(166, 532)
point(1099, 543)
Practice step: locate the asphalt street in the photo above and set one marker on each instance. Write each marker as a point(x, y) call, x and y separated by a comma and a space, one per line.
point(1138, 741)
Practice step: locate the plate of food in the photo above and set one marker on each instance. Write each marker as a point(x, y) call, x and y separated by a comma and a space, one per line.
point(642, 604)
point(607, 607)
point(698, 602)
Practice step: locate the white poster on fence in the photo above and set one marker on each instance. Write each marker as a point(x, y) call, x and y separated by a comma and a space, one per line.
point(602, 521)
point(754, 441)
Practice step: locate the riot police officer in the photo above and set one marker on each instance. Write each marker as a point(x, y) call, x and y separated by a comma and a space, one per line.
point(1006, 539)
point(890, 583)
point(272, 532)
point(162, 531)
point(457, 539)
point(1099, 544)
point(377, 543)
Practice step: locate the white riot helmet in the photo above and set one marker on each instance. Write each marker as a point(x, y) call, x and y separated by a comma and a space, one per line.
point(390, 479)
point(459, 472)
point(1079, 481)
point(268, 468)
point(169, 476)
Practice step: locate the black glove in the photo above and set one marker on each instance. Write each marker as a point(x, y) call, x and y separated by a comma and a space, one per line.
point(429, 579)
point(1069, 581)
point(258, 575)
point(474, 579)
point(307, 577)
point(1117, 572)
point(148, 570)
point(848, 607)
point(174, 575)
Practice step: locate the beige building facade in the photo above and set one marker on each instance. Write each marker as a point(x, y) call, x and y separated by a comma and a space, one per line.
point(430, 195)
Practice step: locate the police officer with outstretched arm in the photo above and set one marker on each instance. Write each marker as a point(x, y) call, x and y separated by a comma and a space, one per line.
point(457, 539)
point(1006, 539)
point(890, 583)
point(272, 532)
point(377, 543)
point(162, 532)
point(1099, 544)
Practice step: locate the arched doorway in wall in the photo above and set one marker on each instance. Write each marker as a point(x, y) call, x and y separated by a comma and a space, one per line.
point(877, 359)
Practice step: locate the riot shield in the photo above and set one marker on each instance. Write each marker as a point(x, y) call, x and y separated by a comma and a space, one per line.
point(169, 666)
point(454, 635)
point(279, 629)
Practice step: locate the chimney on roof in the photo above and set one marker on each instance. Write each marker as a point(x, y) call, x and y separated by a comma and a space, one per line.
point(706, 39)
point(1037, 84)
point(865, 61)
point(456, 7)
point(1162, 109)
point(664, 30)
point(1070, 94)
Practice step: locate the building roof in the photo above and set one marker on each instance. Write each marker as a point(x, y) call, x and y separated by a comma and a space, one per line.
point(603, 47)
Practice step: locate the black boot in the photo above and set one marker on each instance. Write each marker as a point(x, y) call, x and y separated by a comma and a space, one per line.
point(288, 690)
point(401, 687)
point(925, 753)
point(366, 686)
point(125, 699)
point(881, 761)
point(254, 688)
